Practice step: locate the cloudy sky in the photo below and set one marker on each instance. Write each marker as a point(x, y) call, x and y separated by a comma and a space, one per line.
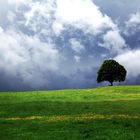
point(56, 44)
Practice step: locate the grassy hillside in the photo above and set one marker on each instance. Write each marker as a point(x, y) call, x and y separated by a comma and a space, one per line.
point(108, 113)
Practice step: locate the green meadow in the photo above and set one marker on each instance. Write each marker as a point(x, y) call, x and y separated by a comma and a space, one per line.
point(107, 113)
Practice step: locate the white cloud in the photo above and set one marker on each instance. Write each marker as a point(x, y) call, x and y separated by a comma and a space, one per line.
point(134, 19)
point(76, 46)
point(133, 24)
point(57, 28)
point(36, 8)
point(52, 17)
point(131, 60)
point(19, 1)
point(40, 18)
point(27, 57)
point(11, 16)
point(77, 58)
point(82, 14)
point(1, 30)
point(113, 41)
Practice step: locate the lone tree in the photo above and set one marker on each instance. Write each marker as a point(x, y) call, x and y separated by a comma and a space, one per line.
point(111, 71)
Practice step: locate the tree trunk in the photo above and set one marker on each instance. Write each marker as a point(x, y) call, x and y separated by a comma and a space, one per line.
point(111, 83)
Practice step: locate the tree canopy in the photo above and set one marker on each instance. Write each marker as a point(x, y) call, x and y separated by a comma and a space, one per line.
point(111, 71)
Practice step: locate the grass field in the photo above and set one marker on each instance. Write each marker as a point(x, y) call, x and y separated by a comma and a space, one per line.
point(108, 113)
